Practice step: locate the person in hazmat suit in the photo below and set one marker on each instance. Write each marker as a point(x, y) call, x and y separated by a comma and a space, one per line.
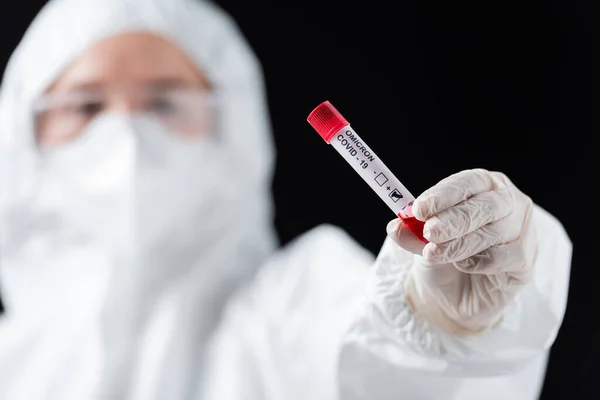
point(129, 132)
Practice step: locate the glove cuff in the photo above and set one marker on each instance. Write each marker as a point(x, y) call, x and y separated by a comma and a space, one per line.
point(425, 304)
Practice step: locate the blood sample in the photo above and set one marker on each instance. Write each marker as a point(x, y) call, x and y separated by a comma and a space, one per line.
point(335, 130)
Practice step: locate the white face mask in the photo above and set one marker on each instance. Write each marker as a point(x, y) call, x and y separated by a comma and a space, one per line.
point(125, 193)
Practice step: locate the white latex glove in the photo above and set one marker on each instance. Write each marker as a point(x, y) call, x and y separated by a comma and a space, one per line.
point(481, 252)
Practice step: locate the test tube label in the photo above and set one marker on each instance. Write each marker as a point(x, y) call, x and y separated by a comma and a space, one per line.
point(368, 165)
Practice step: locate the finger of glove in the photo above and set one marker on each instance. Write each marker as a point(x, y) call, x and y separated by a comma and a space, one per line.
point(403, 237)
point(451, 191)
point(468, 216)
point(496, 233)
point(494, 260)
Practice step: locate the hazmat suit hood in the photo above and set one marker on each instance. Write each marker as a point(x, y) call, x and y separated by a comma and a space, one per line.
point(117, 301)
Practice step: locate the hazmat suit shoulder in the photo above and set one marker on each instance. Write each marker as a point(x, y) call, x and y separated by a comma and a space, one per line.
point(324, 319)
point(283, 330)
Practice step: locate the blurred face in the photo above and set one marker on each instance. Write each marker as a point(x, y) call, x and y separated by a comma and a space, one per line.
point(129, 73)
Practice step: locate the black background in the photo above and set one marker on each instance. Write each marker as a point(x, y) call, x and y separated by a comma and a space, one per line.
point(433, 87)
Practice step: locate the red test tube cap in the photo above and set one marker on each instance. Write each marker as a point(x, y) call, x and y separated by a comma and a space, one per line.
point(326, 120)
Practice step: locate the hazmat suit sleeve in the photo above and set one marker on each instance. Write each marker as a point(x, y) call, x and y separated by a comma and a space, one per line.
point(506, 361)
point(322, 321)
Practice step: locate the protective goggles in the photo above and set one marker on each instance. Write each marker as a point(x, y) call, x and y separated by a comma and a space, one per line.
point(61, 117)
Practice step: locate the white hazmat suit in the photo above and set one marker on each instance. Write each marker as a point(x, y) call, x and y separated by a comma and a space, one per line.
point(117, 287)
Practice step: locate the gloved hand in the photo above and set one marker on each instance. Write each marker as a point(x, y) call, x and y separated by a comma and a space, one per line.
point(481, 252)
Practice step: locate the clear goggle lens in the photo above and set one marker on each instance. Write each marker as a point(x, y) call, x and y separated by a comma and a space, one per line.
point(61, 117)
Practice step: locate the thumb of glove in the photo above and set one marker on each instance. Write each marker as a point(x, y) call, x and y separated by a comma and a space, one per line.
point(403, 237)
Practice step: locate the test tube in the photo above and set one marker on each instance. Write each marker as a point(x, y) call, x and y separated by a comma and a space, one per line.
point(335, 129)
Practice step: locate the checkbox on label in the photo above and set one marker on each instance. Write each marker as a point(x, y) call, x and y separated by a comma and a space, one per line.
point(395, 195)
point(381, 179)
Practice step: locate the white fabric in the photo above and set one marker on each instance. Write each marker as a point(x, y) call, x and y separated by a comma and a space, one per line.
point(318, 321)
point(481, 252)
point(308, 329)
